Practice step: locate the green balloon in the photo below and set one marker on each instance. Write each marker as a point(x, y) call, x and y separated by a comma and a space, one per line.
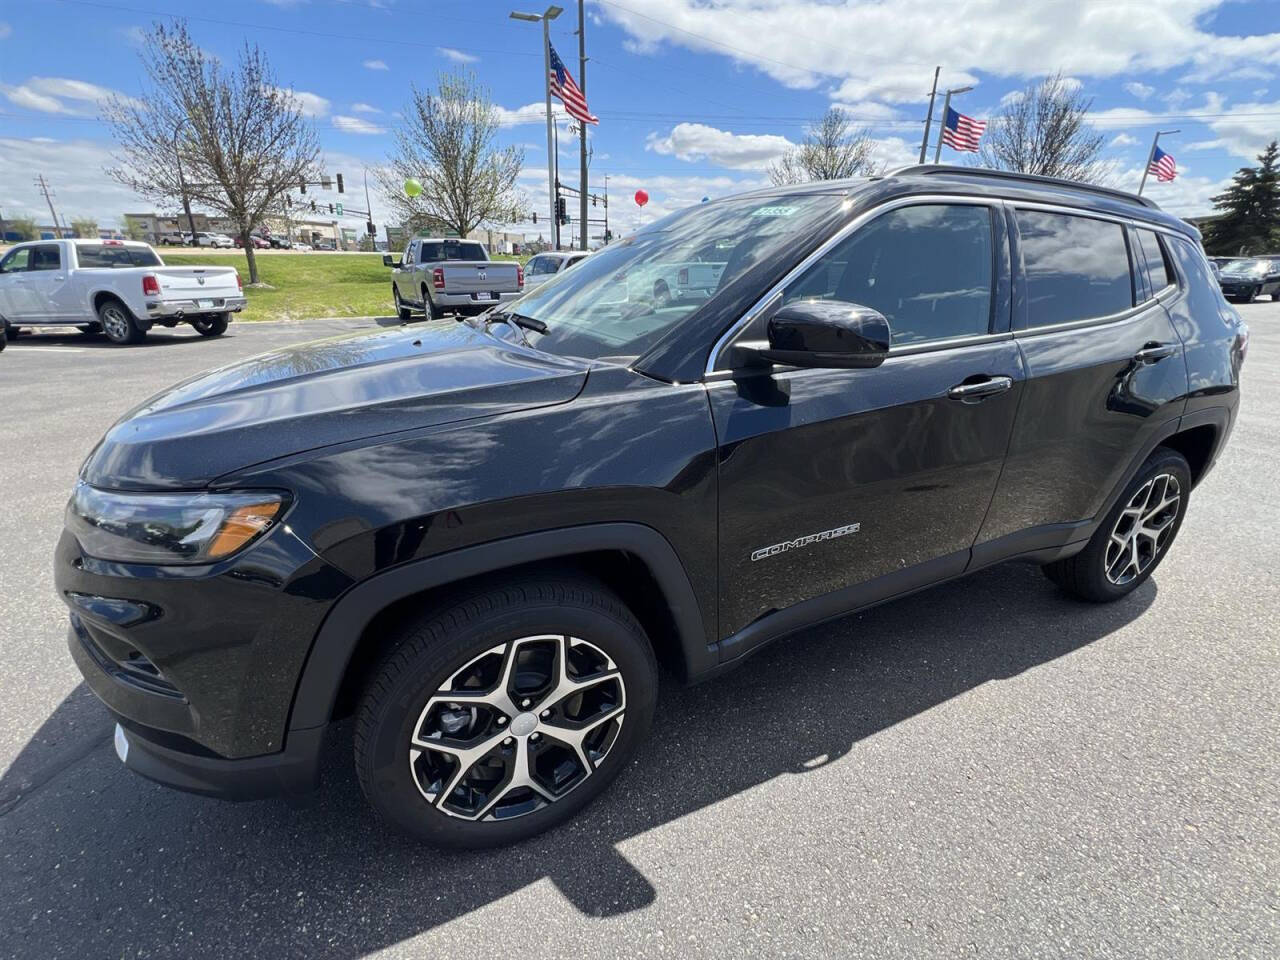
point(412, 187)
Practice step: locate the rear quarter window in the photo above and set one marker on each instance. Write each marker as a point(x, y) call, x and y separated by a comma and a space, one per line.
point(1076, 267)
point(1154, 256)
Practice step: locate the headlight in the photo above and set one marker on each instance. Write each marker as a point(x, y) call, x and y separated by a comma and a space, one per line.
point(169, 527)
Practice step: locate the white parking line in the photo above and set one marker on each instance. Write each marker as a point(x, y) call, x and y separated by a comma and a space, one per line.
point(26, 349)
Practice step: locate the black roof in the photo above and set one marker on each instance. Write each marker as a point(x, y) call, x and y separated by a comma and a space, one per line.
point(1006, 184)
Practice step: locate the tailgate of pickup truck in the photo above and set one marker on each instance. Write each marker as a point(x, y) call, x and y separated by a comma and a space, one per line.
point(476, 276)
point(197, 283)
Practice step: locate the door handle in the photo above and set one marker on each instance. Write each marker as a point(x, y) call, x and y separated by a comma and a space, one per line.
point(983, 388)
point(1153, 352)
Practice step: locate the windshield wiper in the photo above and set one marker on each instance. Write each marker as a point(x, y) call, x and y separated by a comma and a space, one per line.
point(518, 320)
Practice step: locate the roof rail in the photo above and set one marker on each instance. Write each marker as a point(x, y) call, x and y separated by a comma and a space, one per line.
point(925, 169)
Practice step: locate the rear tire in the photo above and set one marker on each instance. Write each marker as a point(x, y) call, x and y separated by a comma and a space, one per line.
point(429, 306)
point(118, 323)
point(1134, 536)
point(215, 325)
point(525, 642)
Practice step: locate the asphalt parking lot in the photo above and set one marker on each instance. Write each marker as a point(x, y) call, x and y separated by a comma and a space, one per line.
point(986, 769)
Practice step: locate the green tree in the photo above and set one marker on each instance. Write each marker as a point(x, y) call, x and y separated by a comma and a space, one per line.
point(1249, 218)
point(134, 228)
point(85, 228)
point(24, 227)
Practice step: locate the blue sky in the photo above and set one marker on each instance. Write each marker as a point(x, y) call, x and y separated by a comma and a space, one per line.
point(695, 97)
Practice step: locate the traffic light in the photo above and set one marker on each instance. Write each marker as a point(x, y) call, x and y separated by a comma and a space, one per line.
point(313, 206)
point(373, 231)
point(561, 210)
point(331, 208)
point(535, 217)
point(594, 198)
point(339, 183)
point(302, 185)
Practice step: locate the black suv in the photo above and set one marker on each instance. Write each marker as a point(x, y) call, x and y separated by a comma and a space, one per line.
point(482, 537)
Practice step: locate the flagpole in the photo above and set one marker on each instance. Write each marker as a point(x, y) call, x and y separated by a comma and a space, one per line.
point(1155, 141)
point(551, 157)
point(942, 125)
point(924, 144)
point(582, 128)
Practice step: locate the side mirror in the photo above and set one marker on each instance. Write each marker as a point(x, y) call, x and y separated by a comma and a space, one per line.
point(821, 333)
point(388, 260)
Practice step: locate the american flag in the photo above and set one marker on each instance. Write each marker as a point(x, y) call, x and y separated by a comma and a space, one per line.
point(1162, 166)
point(566, 91)
point(961, 132)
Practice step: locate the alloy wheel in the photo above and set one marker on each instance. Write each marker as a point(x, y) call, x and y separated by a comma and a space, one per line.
point(1143, 529)
point(115, 323)
point(517, 728)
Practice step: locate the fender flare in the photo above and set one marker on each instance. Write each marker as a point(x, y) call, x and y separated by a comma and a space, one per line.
point(336, 640)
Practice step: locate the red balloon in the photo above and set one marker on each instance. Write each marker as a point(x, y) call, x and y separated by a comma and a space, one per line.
point(641, 198)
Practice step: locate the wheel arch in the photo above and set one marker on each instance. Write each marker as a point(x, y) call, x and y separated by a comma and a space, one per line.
point(634, 560)
point(98, 297)
point(1198, 443)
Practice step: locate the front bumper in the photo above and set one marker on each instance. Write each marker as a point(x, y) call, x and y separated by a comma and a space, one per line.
point(157, 309)
point(294, 771)
point(1238, 289)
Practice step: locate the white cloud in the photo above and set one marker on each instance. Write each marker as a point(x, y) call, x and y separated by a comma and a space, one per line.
point(801, 43)
point(356, 125)
point(375, 65)
point(5, 30)
point(1186, 196)
point(74, 170)
point(62, 95)
point(364, 108)
point(529, 113)
point(1012, 97)
point(457, 56)
point(693, 142)
point(1140, 90)
point(312, 104)
point(1123, 140)
point(868, 111)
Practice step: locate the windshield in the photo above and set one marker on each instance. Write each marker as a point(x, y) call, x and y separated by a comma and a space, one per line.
point(622, 299)
point(1246, 268)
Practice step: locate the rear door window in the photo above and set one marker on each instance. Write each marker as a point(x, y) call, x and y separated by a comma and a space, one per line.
point(1154, 257)
point(45, 257)
point(928, 269)
point(104, 255)
point(1077, 268)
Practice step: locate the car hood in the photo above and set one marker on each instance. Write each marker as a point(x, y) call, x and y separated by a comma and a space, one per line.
point(319, 394)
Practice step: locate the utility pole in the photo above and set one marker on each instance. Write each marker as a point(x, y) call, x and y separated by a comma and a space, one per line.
point(928, 120)
point(582, 127)
point(545, 18)
point(1151, 155)
point(48, 198)
point(606, 208)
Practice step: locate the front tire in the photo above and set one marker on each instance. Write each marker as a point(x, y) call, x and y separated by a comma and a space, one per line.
point(1134, 536)
point(118, 323)
point(402, 312)
point(501, 713)
point(214, 325)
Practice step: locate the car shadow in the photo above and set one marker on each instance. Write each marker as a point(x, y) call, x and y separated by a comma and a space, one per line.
point(94, 855)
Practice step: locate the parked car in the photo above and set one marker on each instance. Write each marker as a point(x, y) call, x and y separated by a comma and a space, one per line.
point(175, 239)
point(279, 243)
point(216, 240)
point(301, 246)
point(437, 274)
point(117, 287)
point(259, 243)
point(544, 266)
point(326, 245)
point(481, 538)
point(1244, 280)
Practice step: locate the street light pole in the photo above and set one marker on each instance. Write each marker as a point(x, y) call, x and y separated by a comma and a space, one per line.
point(942, 126)
point(182, 185)
point(546, 17)
point(582, 129)
point(1150, 155)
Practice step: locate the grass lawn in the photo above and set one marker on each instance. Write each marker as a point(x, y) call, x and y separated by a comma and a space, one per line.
point(302, 286)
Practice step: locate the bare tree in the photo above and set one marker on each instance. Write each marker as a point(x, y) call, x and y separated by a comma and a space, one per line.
point(1045, 131)
point(447, 142)
point(835, 150)
point(243, 141)
point(85, 228)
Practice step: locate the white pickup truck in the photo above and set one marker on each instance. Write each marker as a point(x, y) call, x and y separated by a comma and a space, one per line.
point(440, 274)
point(115, 287)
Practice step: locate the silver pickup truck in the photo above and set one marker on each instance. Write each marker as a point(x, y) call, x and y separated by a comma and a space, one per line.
point(439, 276)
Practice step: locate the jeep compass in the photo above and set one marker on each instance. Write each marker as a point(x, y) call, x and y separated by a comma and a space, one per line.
point(482, 537)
